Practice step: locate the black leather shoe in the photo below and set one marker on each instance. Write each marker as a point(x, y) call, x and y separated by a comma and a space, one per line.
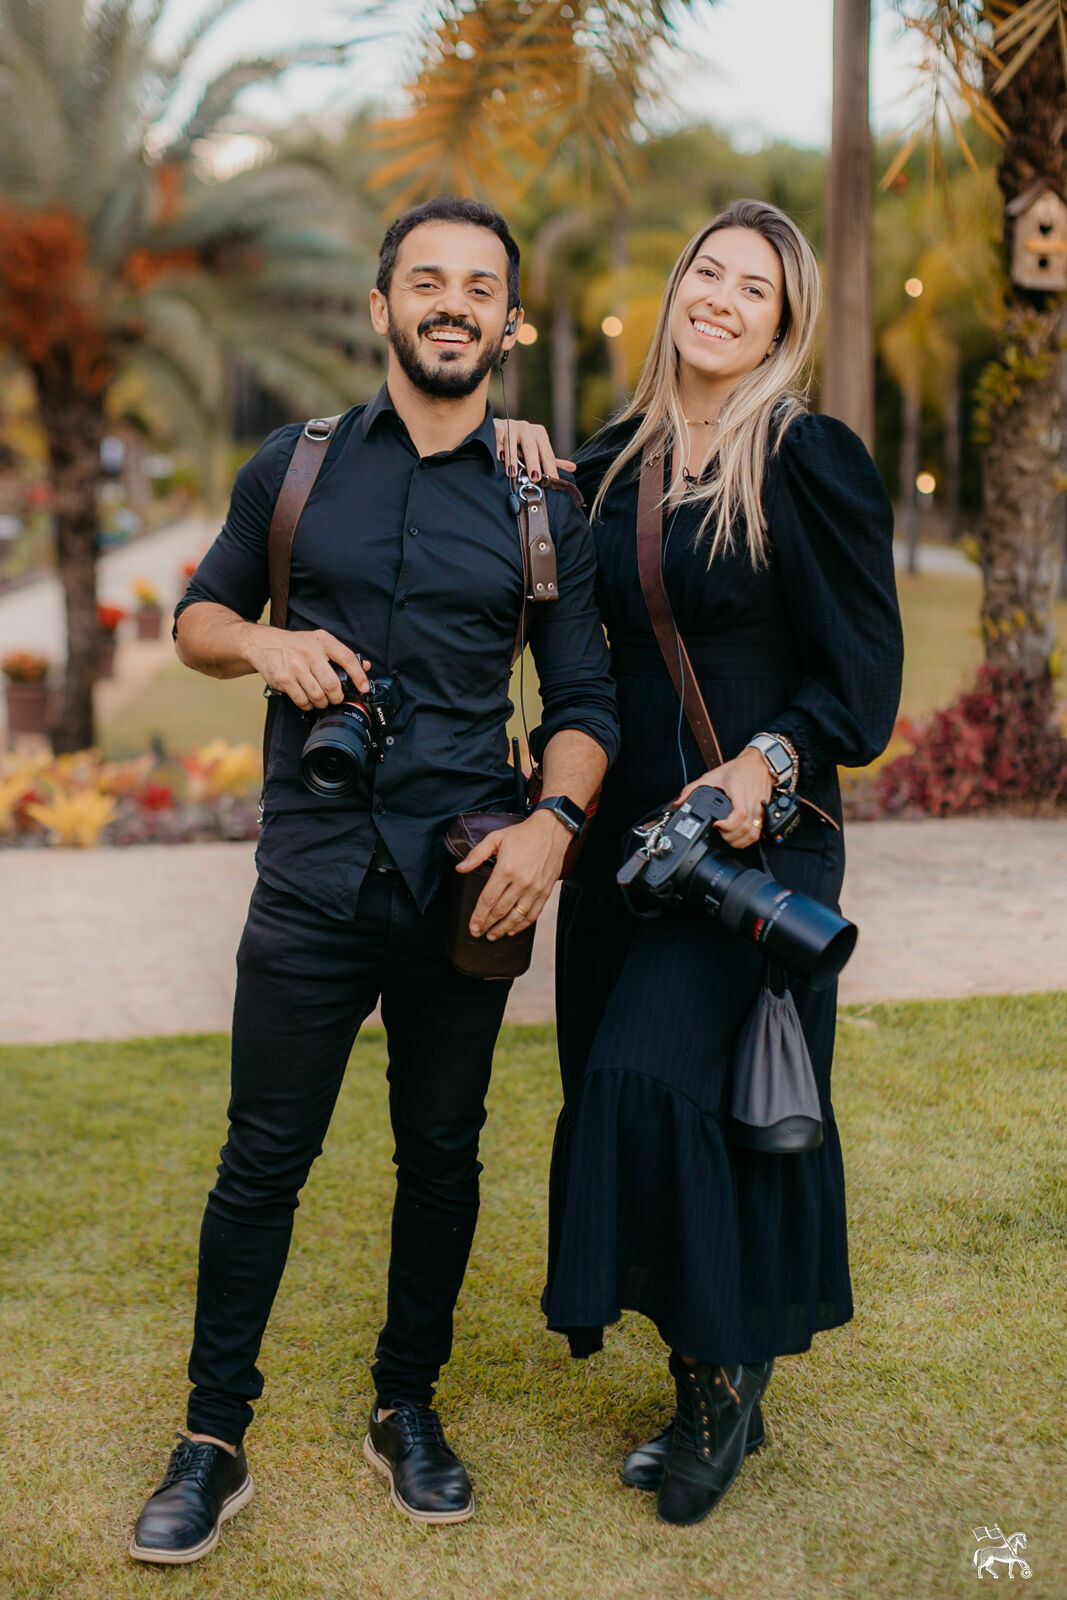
point(203, 1487)
point(707, 1448)
point(643, 1467)
point(429, 1481)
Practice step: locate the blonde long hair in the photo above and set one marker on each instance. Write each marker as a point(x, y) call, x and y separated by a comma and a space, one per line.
point(758, 409)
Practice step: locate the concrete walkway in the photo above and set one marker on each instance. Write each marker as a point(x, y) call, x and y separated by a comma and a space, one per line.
point(32, 617)
point(117, 943)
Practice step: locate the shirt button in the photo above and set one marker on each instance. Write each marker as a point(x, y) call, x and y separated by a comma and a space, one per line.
point(389, 739)
point(414, 532)
point(379, 810)
point(402, 602)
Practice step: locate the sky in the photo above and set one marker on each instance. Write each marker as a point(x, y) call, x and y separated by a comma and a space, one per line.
point(761, 69)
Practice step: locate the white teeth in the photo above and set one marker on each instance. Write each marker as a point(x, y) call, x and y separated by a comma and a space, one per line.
point(440, 336)
point(709, 329)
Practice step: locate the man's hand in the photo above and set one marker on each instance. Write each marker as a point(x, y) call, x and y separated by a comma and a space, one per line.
point(529, 859)
point(303, 665)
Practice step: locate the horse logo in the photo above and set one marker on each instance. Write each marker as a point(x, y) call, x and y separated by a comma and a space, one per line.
point(992, 1547)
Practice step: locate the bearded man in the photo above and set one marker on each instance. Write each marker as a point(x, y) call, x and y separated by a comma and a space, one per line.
point(406, 564)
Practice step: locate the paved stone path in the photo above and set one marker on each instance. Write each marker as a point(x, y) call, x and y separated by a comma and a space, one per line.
point(31, 618)
point(117, 943)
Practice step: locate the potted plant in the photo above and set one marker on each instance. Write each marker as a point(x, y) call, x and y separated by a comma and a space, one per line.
point(108, 619)
point(149, 613)
point(26, 688)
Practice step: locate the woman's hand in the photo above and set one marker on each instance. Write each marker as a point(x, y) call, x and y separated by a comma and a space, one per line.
point(528, 442)
point(747, 781)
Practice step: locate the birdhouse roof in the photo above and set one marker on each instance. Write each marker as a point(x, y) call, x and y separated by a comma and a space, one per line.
point(1024, 201)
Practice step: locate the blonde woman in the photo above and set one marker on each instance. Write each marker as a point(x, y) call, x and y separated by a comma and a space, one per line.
point(778, 566)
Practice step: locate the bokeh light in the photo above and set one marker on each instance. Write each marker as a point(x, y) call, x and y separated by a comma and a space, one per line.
point(611, 326)
point(914, 287)
point(926, 483)
point(527, 334)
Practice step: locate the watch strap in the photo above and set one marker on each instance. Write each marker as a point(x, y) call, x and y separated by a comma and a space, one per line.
point(568, 811)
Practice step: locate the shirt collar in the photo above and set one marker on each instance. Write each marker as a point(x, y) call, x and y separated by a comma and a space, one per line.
point(382, 403)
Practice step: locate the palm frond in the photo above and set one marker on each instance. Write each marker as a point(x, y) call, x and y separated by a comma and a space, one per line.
point(499, 89)
point(965, 42)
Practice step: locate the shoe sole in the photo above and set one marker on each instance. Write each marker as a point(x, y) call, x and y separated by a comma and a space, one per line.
point(181, 1558)
point(751, 1446)
point(380, 1464)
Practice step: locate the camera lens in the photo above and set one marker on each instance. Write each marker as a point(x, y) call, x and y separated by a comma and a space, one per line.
point(335, 753)
point(798, 933)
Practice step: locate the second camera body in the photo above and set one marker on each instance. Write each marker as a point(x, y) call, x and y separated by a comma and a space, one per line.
point(344, 737)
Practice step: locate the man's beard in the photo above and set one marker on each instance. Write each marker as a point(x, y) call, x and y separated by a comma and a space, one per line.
point(449, 381)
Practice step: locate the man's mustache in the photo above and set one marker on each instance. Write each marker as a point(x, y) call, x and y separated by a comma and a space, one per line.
point(428, 325)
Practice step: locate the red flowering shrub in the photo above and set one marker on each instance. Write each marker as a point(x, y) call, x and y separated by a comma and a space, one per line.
point(997, 744)
point(109, 617)
point(156, 797)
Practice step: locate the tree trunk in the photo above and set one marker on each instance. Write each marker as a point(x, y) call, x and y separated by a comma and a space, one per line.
point(848, 361)
point(953, 445)
point(909, 466)
point(620, 261)
point(564, 375)
point(73, 425)
point(1017, 532)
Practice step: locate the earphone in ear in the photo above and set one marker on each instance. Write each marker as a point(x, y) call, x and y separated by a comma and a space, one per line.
point(511, 326)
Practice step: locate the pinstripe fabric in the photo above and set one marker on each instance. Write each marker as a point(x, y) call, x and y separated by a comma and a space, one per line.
point(735, 1255)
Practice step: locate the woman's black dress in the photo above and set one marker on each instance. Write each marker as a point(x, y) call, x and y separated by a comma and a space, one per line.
point(734, 1255)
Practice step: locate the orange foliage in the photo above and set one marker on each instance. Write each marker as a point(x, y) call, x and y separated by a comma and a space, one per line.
point(45, 314)
point(143, 267)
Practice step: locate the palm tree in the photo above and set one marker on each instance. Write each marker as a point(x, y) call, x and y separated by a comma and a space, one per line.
point(120, 253)
point(848, 353)
point(1007, 59)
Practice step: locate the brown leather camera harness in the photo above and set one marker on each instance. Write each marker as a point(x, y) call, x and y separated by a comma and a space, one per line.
point(540, 579)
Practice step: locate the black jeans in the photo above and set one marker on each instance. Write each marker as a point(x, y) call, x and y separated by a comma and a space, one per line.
point(305, 983)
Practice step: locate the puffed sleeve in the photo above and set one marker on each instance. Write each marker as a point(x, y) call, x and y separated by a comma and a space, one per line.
point(831, 525)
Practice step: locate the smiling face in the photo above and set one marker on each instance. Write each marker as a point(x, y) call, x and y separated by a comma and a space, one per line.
point(446, 308)
point(727, 307)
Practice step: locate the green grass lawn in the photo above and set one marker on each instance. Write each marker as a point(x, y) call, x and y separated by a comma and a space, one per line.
point(942, 651)
point(939, 1408)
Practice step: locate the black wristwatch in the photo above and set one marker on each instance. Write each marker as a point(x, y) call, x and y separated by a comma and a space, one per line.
point(569, 813)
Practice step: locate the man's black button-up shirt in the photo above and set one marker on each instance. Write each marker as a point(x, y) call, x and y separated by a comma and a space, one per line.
point(415, 563)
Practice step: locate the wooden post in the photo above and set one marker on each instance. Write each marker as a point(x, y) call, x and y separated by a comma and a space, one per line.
point(848, 365)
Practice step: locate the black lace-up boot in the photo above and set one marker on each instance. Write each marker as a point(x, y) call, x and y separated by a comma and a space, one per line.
point(707, 1448)
point(429, 1481)
point(643, 1467)
point(203, 1487)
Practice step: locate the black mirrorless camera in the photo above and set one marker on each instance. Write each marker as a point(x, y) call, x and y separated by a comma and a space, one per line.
point(682, 860)
point(345, 736)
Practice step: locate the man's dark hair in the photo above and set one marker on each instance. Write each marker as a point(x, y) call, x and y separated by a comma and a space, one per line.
point(448, 208)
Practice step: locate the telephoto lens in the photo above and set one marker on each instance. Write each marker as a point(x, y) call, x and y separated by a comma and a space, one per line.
point(682, 859)
point(807, 938)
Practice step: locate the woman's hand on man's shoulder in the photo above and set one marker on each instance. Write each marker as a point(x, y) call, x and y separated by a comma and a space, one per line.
point(528, 443)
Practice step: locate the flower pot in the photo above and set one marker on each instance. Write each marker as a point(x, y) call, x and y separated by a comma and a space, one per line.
point(105, 655)
point(27, 707)
point(149, 622)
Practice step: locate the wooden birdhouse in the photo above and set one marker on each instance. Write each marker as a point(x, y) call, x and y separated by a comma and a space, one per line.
point(1039, 239)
